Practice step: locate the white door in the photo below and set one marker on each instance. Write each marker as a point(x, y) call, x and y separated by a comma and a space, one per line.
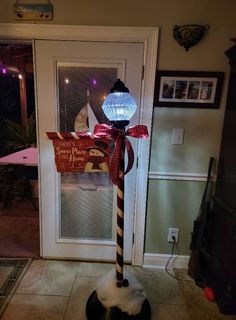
point(78, 210)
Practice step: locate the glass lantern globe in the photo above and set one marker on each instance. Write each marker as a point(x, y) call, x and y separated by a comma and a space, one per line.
point(119, 105)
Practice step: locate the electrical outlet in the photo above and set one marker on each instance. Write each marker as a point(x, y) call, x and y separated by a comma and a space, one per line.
point(173, 232)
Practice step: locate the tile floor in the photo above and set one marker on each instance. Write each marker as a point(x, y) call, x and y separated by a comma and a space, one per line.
point(58, 290)
point(18, 223)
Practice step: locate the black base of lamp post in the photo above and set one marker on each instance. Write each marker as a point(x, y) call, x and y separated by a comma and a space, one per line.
point(96, 311)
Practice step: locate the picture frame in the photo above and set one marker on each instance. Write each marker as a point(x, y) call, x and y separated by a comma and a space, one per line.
point(33, 11)
point(188, 89)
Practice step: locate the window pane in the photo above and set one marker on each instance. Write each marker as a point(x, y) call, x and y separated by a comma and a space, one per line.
point(86, 198)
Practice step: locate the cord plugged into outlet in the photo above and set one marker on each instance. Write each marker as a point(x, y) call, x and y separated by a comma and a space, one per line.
point(173, 235)
point(174, 246)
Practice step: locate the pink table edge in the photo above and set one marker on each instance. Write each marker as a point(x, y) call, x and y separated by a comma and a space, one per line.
point(27, 157)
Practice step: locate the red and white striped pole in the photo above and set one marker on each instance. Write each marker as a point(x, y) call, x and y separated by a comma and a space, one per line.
point(120, 281)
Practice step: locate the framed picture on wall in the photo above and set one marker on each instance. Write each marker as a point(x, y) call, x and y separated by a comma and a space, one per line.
point(188, 89)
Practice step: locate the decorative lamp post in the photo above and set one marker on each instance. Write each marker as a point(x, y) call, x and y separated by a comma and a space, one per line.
point(117, 297)
point(119, 107)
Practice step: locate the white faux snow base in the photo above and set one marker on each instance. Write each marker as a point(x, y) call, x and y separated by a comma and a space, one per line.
point(128, 299)
point(110, 302)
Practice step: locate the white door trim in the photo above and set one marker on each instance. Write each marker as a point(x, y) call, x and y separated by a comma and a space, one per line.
point(146, 35)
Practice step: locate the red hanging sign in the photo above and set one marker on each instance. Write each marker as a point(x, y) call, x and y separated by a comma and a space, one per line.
point(80, 152)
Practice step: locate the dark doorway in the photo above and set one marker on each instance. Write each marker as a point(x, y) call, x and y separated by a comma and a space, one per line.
point(19, 216)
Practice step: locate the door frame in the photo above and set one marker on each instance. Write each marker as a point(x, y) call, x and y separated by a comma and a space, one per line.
point(149, 37)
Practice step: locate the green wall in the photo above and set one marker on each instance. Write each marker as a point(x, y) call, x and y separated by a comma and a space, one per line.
point(201, 139)
point(170, 203)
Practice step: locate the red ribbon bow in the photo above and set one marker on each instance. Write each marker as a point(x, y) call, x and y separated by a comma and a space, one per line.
point(119, 136)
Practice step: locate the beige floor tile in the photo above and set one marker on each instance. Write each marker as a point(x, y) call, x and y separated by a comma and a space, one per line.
point(94, 269)
point(74, 282)
point(35, 307)
point(197, 305)
point(49, 277)
point(159, 286)
point(82, 289)
point(169, 312)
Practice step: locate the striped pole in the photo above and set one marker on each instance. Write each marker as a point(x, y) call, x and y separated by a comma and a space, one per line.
point(120, 222)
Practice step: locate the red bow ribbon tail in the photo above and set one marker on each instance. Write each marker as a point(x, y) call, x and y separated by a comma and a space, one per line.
point(115, 161)
point(130, 152)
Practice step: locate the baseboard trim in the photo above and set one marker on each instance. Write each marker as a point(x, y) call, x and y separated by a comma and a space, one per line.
point(154, 260)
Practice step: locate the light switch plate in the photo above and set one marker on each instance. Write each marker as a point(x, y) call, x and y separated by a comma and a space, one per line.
point(177, 136)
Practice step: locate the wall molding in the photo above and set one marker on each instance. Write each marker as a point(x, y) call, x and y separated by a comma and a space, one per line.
point(154, 260)
point(158, 175)
point(79, 32)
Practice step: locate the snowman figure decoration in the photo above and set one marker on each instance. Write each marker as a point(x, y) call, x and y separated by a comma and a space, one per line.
point(97, 157)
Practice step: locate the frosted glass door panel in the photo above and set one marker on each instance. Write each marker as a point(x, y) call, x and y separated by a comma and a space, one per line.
point(86, 198)
point(87, 214)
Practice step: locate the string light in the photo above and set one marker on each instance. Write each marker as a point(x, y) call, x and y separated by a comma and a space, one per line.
point(4, 70)
point(20, 76)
